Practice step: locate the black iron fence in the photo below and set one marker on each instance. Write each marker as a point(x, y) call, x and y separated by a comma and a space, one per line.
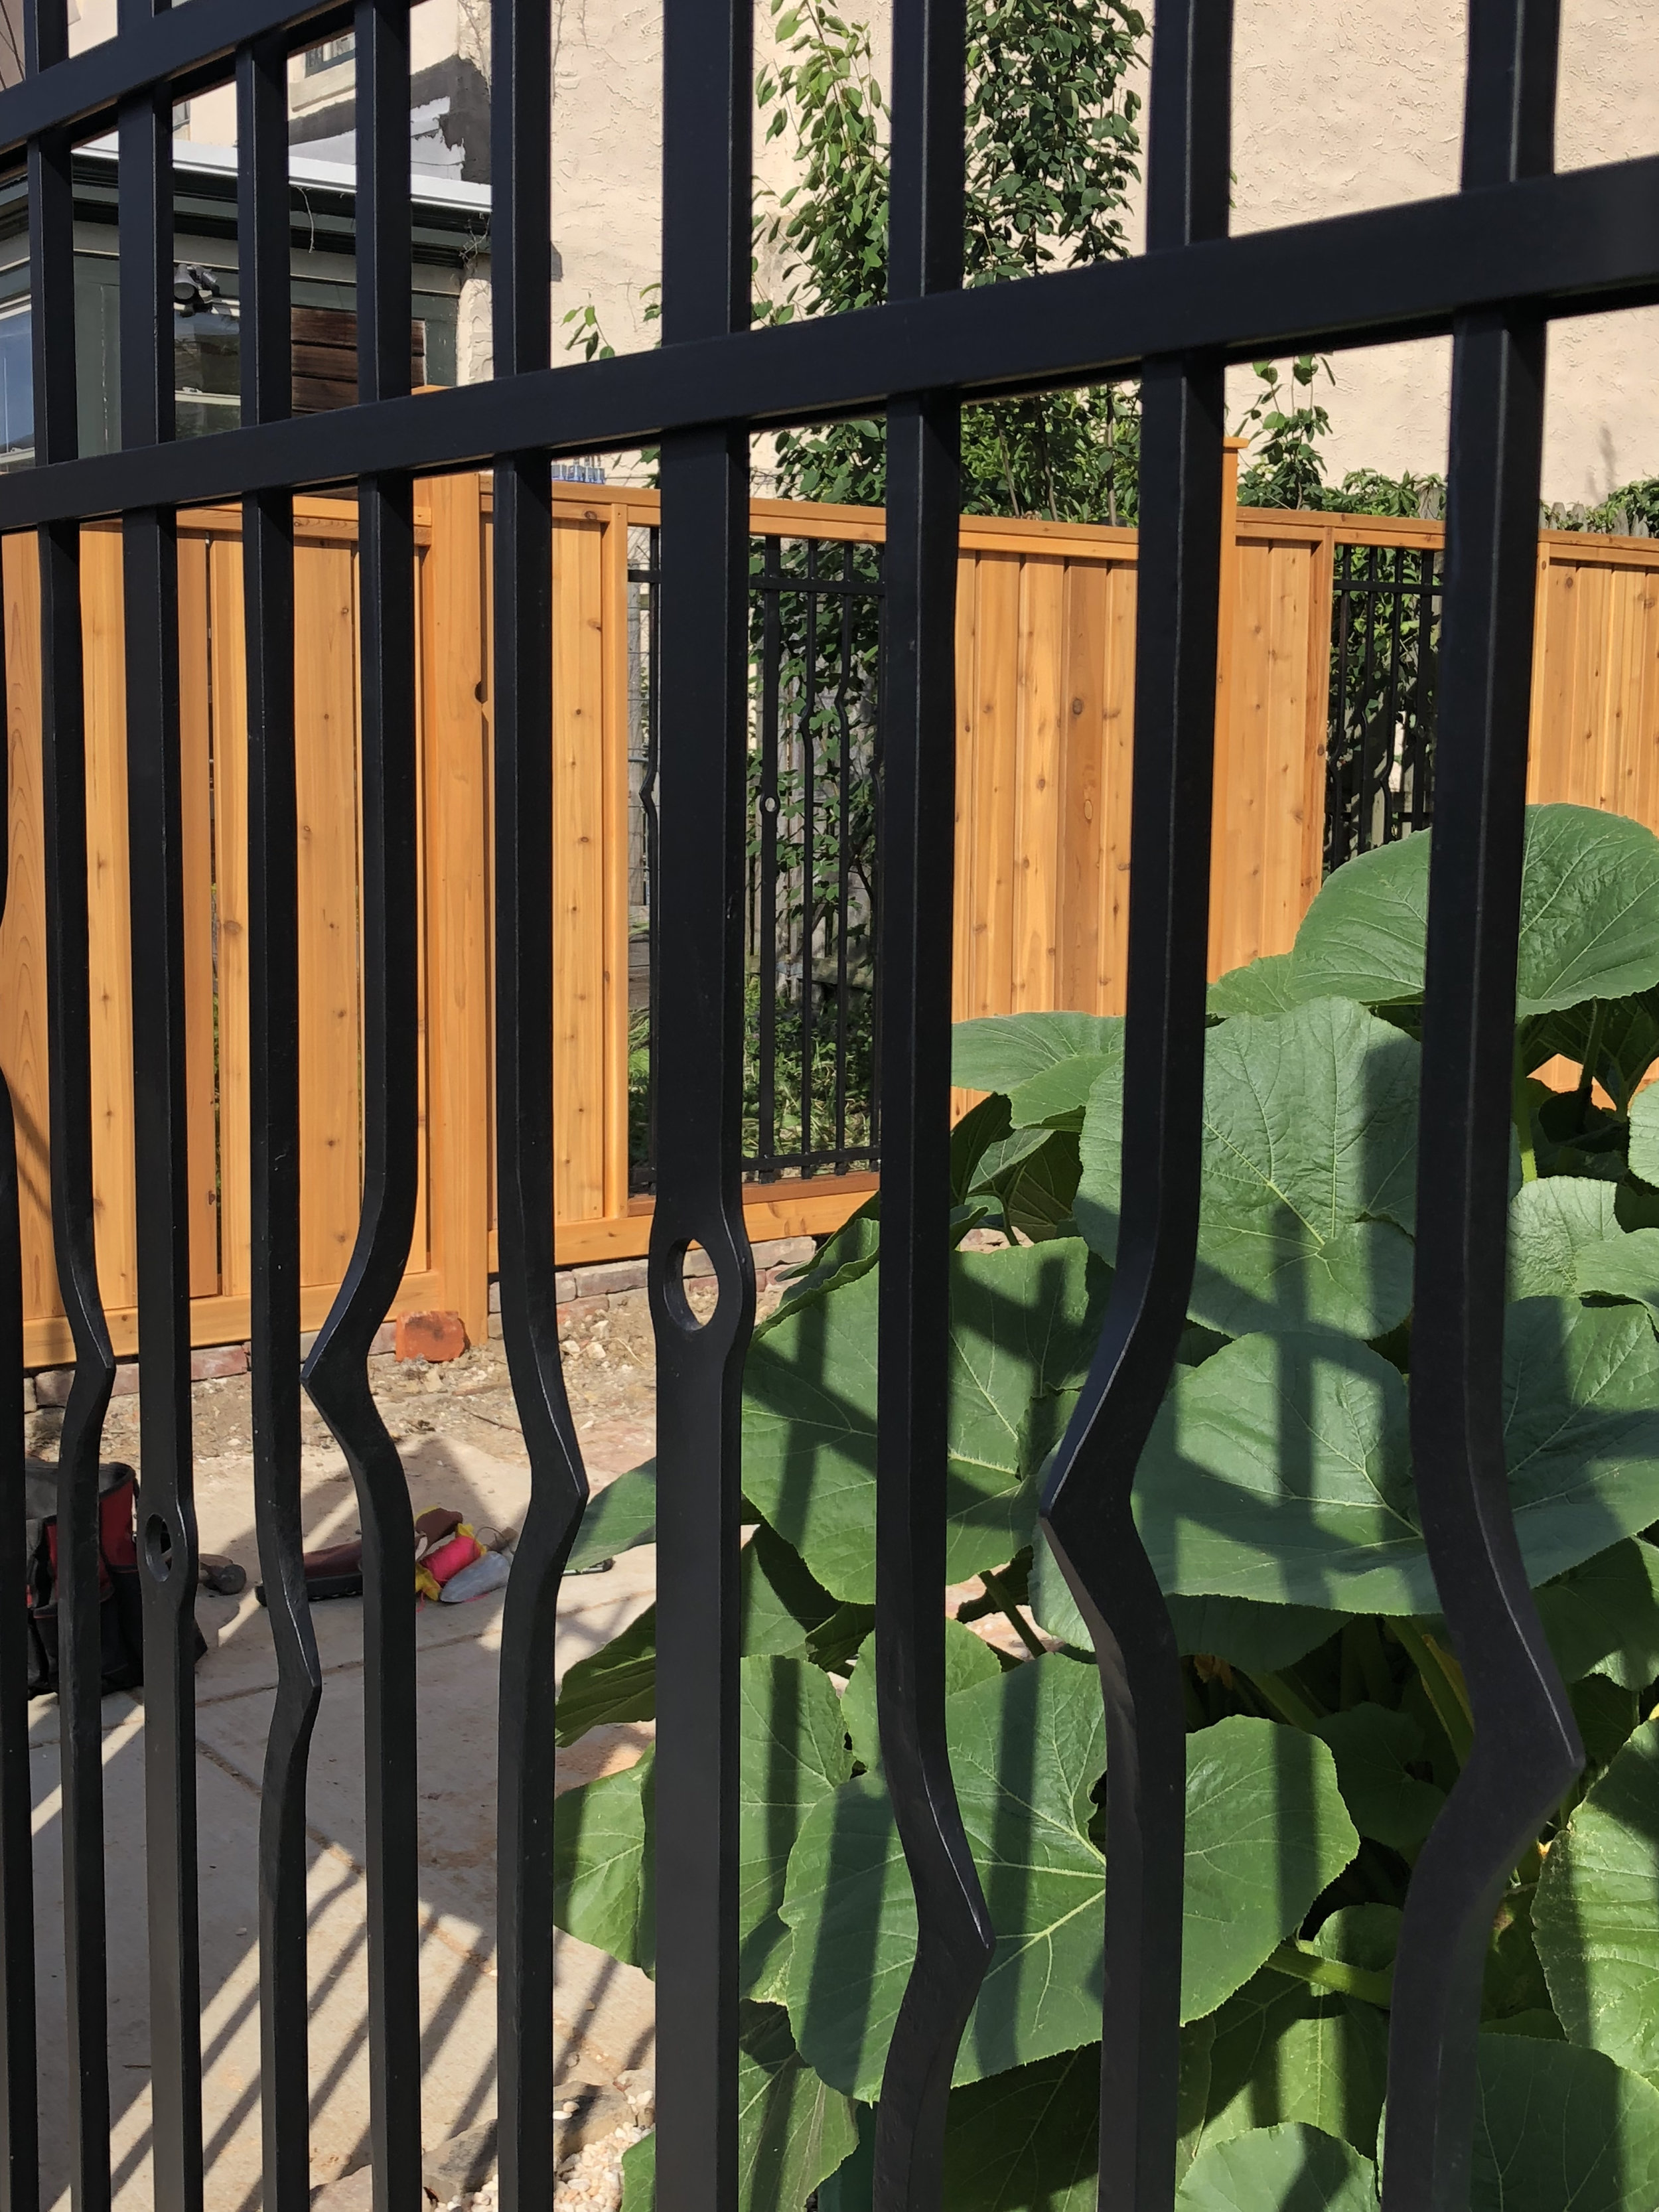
point(1488, 264)
point(1385, 647)
point(811, 1010)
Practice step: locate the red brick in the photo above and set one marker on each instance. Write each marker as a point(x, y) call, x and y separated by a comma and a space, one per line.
point(213, 1361)
point(52, 1388)
point(430, 1336)
point(126, 1380)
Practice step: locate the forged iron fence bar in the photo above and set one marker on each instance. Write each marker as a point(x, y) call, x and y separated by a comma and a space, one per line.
point(955, 1940)
point(766, 1133)
point(1384, 648)
point(19, 2142)
point(1526, 1749)
point(523, 663)
point(167, 1547)
point(1086, 1502)
point(809, 859)
point(647, 694)
point(336, 1373)
point(1579, 243)
point(703, 784)
point(273, 898)
point(843, 842)
point(64, 790)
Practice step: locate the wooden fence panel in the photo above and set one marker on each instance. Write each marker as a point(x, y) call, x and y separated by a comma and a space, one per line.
point(1045, 660)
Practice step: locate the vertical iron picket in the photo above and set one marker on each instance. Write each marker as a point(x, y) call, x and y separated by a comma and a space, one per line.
point(20, 2132)
point(523, 663)
point(64, 781)
point(274, 1133)
point(1526, 1748)
point(1086, 1501)
point(954, 1937)
point(702, 785)
point(337, 1372)
point(166, 1512)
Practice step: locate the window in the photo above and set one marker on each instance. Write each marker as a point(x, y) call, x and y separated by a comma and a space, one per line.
point(330, 54)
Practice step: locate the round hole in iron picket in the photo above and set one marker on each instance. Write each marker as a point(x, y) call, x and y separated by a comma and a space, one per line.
point(689, 1263)
point(158, 1547)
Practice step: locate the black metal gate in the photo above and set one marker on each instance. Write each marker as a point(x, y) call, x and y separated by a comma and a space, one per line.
point(1490, 264)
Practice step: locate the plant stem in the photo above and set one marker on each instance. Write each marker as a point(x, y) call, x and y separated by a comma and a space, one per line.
point(1283, 1696)
point(1303, 1964)
point(1366, 1643)
point(1010, 1610)
point(1520, 1108)
point(1442, 1678)
point(1592, 1054)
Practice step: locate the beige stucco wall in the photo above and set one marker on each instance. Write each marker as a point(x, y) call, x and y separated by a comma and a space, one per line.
point(1338, 105)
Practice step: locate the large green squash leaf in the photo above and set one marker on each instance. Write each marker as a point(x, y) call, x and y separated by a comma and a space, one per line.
point(1551, 1222)
point(1595, 1919)
point(1644, 1136)
point(1558, 2127)
point(1289, 2168)
point(1602, 1617)
point(1284, 2051)
point(1266, 1830)
point(1267, 986)
point(602, 1889)
point(616, 1518)
point(793, 2131)
point(1622, 1266)
point(1309, 1162)
point(1002, 1051)
point(1363, 936)
point(1026, 2140)
point(1590, 916)
point(1026, 1750)
point(968, 1659)
point(1254, 1637)
point(792, 1755)
point(1023, 1327)
point(1265, 1833)
point(1375, 1749)
point(1279, 1470)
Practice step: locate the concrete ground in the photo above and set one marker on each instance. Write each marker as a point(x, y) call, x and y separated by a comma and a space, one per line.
point(606, 2011)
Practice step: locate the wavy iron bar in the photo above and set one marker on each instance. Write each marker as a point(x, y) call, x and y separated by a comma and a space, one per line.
point(337, 1372)
point(1086, 1503)
point(955, 1940)
point(1526, 1749)
point(524, 1128)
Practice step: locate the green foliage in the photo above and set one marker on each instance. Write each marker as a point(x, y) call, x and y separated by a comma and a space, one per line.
point(1327, 1716)
point(1286, 427)
point(1052, 143)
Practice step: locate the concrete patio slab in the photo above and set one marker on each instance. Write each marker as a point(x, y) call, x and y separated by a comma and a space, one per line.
point(604, 2011)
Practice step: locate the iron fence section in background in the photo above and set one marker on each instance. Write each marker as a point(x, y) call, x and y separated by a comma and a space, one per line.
point(1385, 644)
point(810, 1013)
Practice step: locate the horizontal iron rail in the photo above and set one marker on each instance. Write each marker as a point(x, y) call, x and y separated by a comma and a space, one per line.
point(1575, 244)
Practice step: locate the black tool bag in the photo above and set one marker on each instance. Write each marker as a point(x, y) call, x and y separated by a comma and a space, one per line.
point(121, 1606)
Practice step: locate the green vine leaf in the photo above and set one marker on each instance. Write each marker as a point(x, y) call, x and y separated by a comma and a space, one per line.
point(1267, 1831)
point(1590, 916)
point(1226, 1508)
point(1290, 2168)
point(1557, 2126)
point(1284, 2051)
point(1022, 1326)
point(1593, 1919)
point(1309, 1165)
point(793, 2130)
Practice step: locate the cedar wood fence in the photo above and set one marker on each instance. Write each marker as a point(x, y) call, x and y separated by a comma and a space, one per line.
point(1045, 660)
